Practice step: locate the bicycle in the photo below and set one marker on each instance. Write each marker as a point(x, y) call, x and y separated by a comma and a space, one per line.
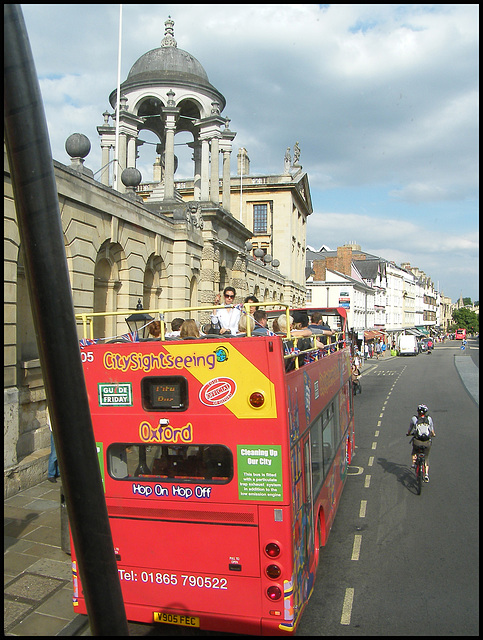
point(420, 469)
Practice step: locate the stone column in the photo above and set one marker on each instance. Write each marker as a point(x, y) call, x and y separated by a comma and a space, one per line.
point(122, 161)
point(227, 138)
point(105, 149)
point(196, 146)
point(225, 201)
point(205, 161)
point(169, 162)
point(215, 171)
point(131, 152)
point(171, 115)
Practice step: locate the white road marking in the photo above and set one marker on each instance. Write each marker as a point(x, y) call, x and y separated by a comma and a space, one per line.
point(356, 549)
point(347, 606)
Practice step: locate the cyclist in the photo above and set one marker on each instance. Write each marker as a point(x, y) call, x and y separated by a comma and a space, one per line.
point(422, 429)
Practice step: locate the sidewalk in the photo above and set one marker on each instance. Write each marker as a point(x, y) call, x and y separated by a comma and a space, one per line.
point(37, 573)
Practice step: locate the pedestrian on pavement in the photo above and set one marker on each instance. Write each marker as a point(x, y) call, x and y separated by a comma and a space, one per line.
point(378, 349)
point(53, 466)
point(356, 383)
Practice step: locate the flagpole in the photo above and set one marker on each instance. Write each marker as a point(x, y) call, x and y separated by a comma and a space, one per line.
point(118, 104)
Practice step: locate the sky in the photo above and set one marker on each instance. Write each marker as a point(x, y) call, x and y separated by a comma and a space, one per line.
point(382, 100)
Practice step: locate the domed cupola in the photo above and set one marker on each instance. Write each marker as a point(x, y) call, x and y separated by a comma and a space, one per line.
point(167, 92)
point(168, 66)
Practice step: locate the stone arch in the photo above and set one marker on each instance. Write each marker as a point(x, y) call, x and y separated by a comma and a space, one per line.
point(190, 110)
point(107, 285)
point(155, 285)
point(149, 106)
point(193, 292)
point(26, 342)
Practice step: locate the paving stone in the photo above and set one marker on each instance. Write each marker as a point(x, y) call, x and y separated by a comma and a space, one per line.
point(16, 563)
point(45, 535)
point(40, 504)
point(32, 587)
point(59, 605)
point(52, 568)
point(38, 624)
point(14, 612)
point(20, 527)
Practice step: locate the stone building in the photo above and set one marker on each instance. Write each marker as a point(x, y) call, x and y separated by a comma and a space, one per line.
point(170, 243)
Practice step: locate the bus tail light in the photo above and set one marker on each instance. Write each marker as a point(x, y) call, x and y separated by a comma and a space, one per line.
point(272, 550)
point(257, 399)
point(273, 571)
point(274, 593)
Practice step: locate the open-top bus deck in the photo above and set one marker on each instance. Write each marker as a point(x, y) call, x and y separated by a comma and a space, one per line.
point(222, 471)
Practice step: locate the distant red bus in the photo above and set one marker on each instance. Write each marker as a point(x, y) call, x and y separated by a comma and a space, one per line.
point(223, 462)
point(460, 334)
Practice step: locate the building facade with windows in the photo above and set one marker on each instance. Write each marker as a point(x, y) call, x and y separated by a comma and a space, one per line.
point(402, 298)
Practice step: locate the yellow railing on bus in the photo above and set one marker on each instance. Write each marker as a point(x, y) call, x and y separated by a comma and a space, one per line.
point(87, 320)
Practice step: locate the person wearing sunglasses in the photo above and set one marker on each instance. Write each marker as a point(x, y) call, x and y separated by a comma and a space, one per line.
point(228, 317)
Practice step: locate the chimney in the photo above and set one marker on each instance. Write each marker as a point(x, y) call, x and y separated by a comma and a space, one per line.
point(243, 162)
point(319, 267)
point(344, 259)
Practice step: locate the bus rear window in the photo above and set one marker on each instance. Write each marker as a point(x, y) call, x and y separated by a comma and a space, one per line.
point(177, 463)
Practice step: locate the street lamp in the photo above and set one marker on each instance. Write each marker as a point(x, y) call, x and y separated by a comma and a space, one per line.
point(138, 321)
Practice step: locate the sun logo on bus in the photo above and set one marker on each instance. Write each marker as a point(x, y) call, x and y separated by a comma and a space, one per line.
point(221, 354)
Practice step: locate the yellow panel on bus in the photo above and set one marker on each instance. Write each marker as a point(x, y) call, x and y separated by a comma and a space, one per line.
point(233, 365)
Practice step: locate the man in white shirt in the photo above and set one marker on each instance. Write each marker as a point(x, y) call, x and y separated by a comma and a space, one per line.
point(227, 317)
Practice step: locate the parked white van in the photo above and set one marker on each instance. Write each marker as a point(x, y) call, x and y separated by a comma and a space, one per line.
point(408, 345)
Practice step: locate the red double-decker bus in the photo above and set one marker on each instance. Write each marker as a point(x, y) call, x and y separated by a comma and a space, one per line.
point(223, 462)
point(460, 334)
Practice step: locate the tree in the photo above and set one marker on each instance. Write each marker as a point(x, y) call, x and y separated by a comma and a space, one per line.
point(466, 319)
point(467, 302)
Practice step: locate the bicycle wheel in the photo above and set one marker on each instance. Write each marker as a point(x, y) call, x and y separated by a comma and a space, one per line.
point(419, 477)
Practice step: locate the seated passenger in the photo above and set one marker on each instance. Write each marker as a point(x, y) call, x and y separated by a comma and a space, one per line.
point(155, 329)
point(175, 327)
point(261, 321)
point(301, 323)
point(251, 299)
point(282, 323)
point(189, 330)
point(243, 323)
point(318, 326)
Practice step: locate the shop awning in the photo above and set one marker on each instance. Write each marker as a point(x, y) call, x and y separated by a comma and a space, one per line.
point(415, 332)
point(370, 335)
point(423, 330)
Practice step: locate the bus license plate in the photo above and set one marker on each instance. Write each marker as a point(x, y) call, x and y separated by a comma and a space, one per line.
point(175, 618)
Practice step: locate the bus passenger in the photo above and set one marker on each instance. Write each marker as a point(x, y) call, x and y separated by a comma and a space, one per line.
point(243, 323)
point(155, 329)
point(261, 321)
point(252, 299)
point(228, 317)
point(189, 330)
point(301, 323)
point(175, 327)
point(318, 326)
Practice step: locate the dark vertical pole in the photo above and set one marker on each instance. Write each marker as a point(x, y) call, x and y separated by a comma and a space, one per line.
point(41, 236)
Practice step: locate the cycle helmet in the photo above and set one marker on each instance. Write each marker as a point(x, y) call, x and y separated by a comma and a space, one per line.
point(422, 408)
